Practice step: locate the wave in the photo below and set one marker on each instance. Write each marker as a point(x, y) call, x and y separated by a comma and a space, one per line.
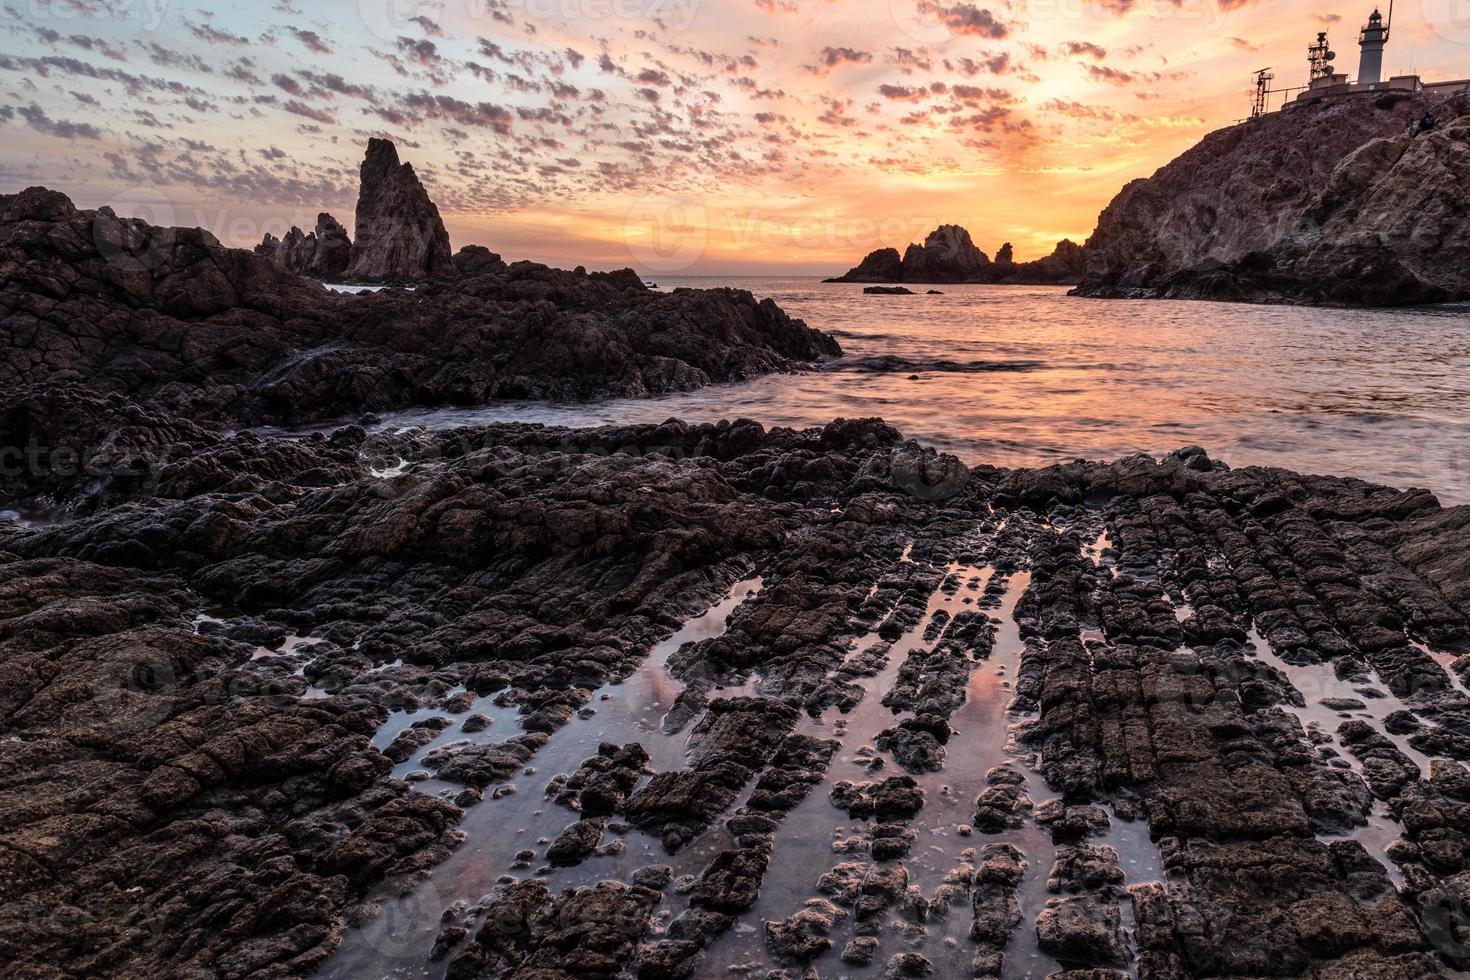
point(895, 364)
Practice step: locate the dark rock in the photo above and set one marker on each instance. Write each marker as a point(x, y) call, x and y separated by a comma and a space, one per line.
point(322, 254)
point(177, 321)
point(400, 235)
point(1243, 217)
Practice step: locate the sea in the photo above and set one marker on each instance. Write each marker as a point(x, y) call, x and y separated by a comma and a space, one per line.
point(1027, 375)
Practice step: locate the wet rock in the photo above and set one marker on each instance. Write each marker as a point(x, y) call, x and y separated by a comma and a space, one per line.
point(1004, 804)
point(803, 936)
point(1082, 929)
point(480, 765)
point(860, 951)
point(897, 797)
point(1071, 823)
point(576, 843)
point(907, 964)
point(656, 876)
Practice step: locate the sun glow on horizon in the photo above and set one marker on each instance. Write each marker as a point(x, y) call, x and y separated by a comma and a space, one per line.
point(674, 135)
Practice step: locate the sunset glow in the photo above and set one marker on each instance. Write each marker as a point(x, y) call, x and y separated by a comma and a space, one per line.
point(707, 136)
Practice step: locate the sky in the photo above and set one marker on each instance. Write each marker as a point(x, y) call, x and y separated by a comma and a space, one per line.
point(707, 137)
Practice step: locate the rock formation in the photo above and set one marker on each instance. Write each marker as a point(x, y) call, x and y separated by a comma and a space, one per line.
point(949, 256)
point(1325, 203)
point(323, 254)
point(174, 319)
point(400, 236)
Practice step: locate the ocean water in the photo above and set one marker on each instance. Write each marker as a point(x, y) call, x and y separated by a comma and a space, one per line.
point(1025, 375)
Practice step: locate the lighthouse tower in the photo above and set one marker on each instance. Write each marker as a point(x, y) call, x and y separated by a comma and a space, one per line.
point(1370, 67)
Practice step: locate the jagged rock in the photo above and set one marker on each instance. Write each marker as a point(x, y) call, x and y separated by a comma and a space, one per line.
point(1325, 203)
point(322, 254)
point(400, 236)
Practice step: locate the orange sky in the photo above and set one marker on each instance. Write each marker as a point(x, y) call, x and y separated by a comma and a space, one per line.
point(744, 136)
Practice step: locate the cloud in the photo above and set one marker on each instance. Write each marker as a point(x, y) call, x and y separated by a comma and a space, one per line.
point(1084, 48)
point(37, 119)
point(831, 58)
point(967, 19)
point(302, 109)
point(312, 40)
point(210, 34)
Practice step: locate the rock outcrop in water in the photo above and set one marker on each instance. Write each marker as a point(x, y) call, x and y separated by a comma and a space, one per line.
point(948, 255)
point(171, 318)
point(323, 254)
point(1326, 203)
point(196, 661)
point(400, 236)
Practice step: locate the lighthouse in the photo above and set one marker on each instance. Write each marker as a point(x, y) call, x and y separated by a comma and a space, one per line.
point(1372, 39)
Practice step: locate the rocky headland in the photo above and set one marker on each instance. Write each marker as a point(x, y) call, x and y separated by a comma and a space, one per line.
point(174, 320)
point(509, 701)
point(949, 255)
point(1327, 203)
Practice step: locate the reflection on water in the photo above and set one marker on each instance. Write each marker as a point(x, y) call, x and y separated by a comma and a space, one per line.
point(1019, 375)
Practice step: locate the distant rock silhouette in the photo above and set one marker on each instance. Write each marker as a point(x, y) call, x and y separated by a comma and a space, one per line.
point(948, 255)
point(400, 236)
point(324, 254)
point(1331, 203)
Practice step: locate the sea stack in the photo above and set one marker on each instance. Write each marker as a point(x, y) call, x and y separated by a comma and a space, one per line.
point(400, 235)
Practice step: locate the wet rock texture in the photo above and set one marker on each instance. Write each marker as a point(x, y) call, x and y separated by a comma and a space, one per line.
point(1332, 203)
point(196, 667)
point(172, 319)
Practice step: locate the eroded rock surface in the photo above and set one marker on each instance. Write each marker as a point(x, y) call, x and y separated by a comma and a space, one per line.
point(198, 670)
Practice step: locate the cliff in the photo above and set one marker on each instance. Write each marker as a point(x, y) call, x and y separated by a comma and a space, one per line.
point(948, 255)
point(1332, 203)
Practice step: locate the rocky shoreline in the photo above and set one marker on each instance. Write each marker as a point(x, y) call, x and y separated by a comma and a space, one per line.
point(174, 320)
point(281, 704)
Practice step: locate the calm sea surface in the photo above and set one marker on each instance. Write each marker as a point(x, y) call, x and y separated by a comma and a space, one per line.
point(1020, 375)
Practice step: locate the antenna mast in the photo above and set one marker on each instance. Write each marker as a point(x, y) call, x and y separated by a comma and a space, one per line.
point(1263, 88)
point(1320, 57)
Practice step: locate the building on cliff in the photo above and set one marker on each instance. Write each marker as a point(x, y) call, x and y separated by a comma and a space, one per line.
point(1325, 83)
